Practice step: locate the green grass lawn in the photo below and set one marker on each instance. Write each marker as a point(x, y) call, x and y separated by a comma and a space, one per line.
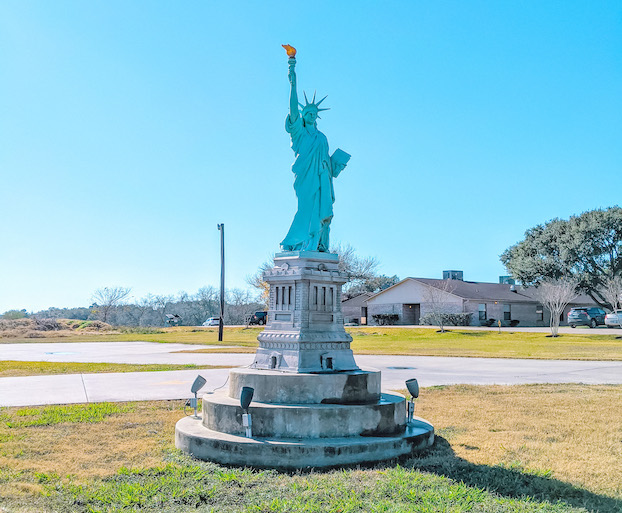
point(514, 449)
point(393, 340)
point(10, 368)
point(490, 344)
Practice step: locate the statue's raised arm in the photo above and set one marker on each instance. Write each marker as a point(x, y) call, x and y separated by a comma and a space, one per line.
point(314, 169)
point(293, 95)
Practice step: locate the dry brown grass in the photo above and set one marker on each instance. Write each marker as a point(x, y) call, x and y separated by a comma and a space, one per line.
point(571, 432)
point(86, 450)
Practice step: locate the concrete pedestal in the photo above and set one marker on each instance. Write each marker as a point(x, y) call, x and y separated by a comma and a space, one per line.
point(312, 405)
point(305, 332)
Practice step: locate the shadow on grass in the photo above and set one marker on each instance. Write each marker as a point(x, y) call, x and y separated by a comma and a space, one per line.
point(472, 333)
point(508, 482)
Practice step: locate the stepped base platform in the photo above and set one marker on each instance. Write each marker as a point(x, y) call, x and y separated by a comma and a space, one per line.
point(312, 406)
point(303, 421)
point(193, 437)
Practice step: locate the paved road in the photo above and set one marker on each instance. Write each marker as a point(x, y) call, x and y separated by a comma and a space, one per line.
point(79, 388)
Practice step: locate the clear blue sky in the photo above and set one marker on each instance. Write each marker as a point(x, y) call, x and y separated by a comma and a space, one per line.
point(128, 130)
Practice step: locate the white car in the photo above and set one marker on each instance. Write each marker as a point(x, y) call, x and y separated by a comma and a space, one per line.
point(212, 321)
point(614, 319)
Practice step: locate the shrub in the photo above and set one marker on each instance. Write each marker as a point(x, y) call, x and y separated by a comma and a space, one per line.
point(46, 324)
point(95, 326)
point(448, 319)
point(383, 319)
point(15, 324)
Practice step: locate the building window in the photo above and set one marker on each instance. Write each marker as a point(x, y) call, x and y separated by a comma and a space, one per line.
point(507, 312)
point(482, 312)
point(539, 313)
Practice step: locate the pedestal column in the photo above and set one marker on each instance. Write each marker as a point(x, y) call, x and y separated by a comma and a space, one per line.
point(305, 331)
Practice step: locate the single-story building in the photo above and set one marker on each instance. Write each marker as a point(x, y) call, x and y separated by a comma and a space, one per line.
point(354, 309)
point(412, 298)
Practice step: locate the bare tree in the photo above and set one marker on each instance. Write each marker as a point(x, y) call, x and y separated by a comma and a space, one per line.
point(109, 298)
point(256, 280)
point(239, 305)
point(437, 304)
point(611, 290)
point(205, 304)
point(360, 270)
point(161, 305)
point(555, 294)
point(136, 312)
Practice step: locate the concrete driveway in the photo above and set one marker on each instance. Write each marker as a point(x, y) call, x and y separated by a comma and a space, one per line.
point(132, 386)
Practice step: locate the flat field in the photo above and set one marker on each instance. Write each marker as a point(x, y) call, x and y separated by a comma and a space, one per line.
point(527, 448)
point(382, 340)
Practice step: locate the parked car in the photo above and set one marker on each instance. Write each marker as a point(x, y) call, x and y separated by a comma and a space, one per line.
point(591, 317)
point(212, 321)
point(259, 318)
point(614, 319)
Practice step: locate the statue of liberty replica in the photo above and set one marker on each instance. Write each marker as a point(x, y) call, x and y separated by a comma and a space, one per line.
point(303, 401)
point(313, 169)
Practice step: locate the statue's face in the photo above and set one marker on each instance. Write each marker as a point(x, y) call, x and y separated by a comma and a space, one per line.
point(310, 117)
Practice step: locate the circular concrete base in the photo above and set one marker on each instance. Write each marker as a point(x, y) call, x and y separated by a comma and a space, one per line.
point(193, 437)
point(382, 418)
point(352, 387)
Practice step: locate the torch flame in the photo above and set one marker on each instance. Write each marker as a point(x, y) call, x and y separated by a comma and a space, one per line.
point(291, 51)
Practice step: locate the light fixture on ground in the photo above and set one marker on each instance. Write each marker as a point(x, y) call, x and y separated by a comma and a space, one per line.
point(413, 388)
point(196, 386)
point(246, 396)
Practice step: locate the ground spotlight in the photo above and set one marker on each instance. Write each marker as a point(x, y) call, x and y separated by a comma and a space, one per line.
point(246, 396)
point(196, 386)
point(413, 388)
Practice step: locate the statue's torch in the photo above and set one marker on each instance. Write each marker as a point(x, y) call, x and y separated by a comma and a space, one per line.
point(291, 53)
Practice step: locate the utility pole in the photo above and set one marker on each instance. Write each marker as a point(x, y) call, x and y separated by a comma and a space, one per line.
point(221, 227)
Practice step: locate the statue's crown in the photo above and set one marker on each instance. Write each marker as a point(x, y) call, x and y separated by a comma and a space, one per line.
point(311, 105)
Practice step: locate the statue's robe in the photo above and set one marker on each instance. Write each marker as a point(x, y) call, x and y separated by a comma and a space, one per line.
point(314, 189)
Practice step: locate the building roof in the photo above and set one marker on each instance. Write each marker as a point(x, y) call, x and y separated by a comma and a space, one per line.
point(358, 300)
point(482, 291)
point(479, 290)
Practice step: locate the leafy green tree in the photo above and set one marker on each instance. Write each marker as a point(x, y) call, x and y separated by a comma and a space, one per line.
point(587, 247)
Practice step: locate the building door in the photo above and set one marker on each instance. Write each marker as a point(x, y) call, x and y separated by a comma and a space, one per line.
point(411, 313)
point(363, 315)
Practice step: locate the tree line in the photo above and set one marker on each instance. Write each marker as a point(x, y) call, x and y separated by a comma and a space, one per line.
point(115, 306)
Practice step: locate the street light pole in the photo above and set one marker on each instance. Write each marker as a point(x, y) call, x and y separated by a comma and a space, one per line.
point(221, 227)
